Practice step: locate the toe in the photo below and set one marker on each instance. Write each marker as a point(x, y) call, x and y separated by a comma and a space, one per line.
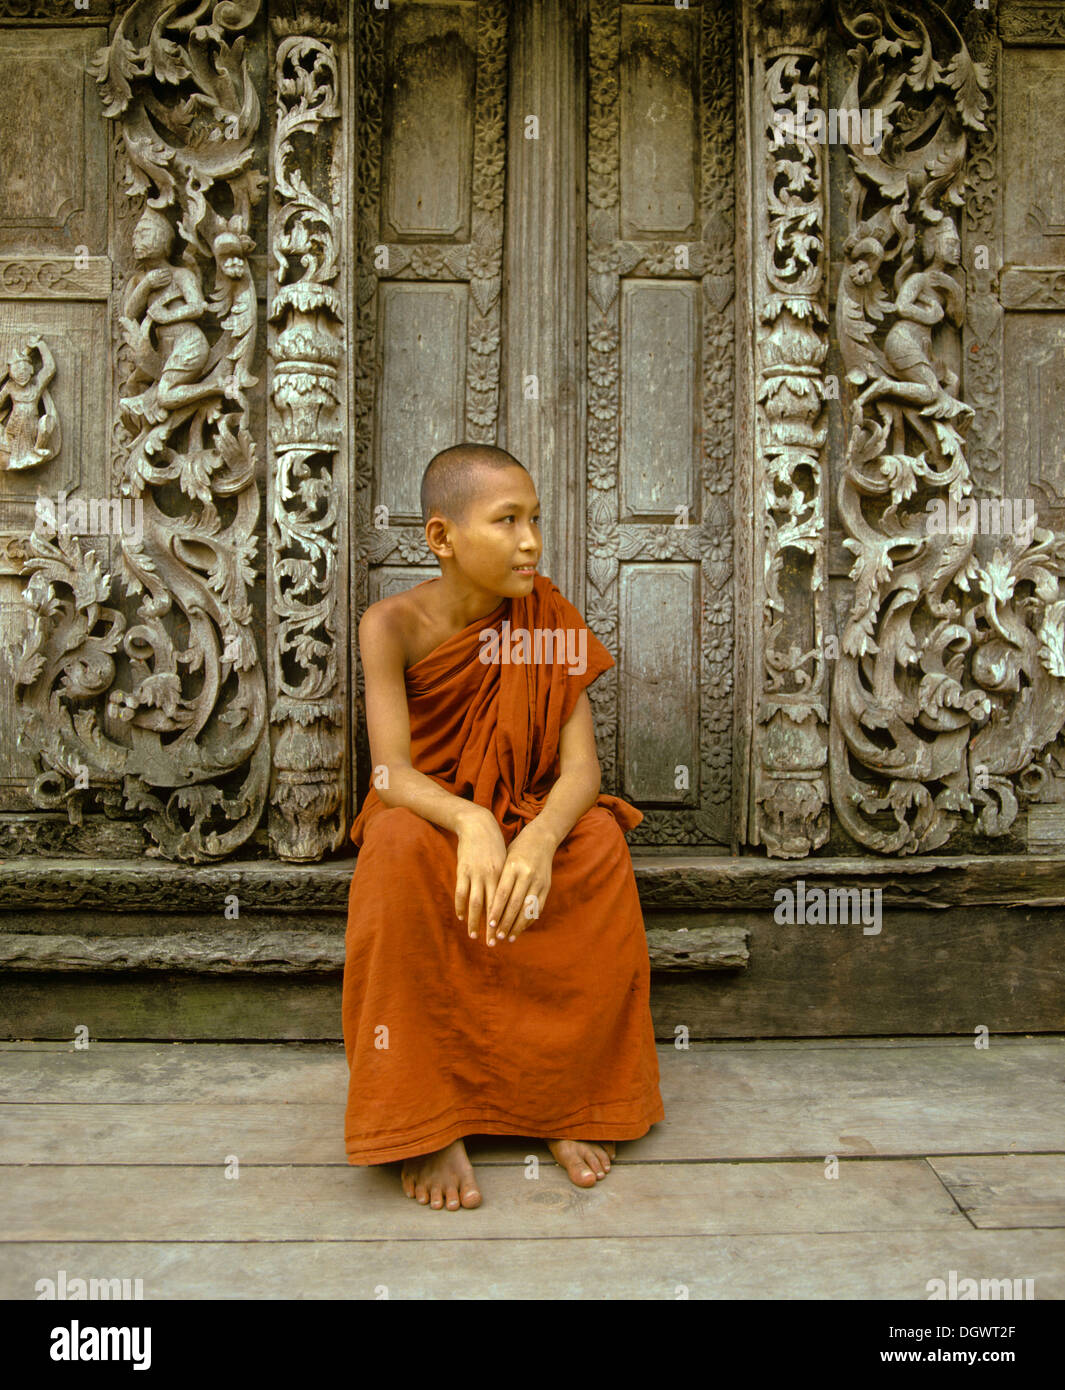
point(438, 1197)
point(580, 1172)
point(471, 1196)
point(452, 1197)
point(593, 1159)
point(422, 1194)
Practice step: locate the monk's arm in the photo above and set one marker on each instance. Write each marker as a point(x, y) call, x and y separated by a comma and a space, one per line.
point(580, 776)
point(388, 727)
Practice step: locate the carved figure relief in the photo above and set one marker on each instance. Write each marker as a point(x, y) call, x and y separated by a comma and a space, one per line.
point(950, 678)
point(165, 713)
point(29, 424)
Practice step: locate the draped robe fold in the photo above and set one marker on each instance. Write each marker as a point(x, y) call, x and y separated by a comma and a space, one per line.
point(549, 1036)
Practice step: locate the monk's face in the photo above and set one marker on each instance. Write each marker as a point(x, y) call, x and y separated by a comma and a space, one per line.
point(501, 534)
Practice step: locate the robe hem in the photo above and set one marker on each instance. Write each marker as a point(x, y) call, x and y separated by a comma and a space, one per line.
point(427, 1141)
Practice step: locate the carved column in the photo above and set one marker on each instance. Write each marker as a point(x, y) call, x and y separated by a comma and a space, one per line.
point(163, 710)
point(789, 795)
point(307, 627)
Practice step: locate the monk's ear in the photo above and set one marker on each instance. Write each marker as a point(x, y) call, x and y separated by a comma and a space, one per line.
point(436, 536)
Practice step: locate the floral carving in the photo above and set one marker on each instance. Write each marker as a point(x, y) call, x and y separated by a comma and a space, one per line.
point(306, 435)
point(950, 678)
point(164, 711)
point(791, 736)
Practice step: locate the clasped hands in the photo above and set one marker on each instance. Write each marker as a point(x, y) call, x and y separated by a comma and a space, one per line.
point(498, 881)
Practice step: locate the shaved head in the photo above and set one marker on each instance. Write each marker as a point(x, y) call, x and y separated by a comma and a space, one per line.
point(454, 478)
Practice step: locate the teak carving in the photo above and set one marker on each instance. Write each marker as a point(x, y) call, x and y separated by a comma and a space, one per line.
point(165, 712)
point(790, 811)
point(30, 432)
point(950, 674)
point(306, 438)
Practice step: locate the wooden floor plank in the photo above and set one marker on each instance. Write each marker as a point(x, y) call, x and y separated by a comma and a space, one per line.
point(1018, 1191)
point(721, 1100)
point(327, 1203)
point(837, 1267)
point(187, 1133)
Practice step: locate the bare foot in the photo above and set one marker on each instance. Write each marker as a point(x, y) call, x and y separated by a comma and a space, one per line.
point(446, 1174)
point(585, 1160)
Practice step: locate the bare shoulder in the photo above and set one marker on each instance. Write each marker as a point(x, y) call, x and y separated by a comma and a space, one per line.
point(395, 627)
point(382, 631)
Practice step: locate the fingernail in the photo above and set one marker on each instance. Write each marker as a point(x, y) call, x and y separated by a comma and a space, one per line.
point(492, 922)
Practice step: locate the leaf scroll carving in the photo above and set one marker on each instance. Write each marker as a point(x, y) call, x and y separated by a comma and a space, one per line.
point(306, 435)
point(164, 711)
point(950, 675)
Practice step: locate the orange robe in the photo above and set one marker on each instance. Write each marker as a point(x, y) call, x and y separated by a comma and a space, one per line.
point(549, 1036)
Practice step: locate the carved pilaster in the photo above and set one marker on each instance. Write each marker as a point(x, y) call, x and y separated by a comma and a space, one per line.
point(164, 710)
point(307, 496)
point(951, 677)
point(789, 801)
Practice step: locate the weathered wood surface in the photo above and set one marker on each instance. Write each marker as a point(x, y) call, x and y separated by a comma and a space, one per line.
point(667, 882)
point(300, 952)
point(307, 1202)
point(446, 1262)
point(947, 972)
point(691, 1222)
point(1008, 1191)
point(140, 1103)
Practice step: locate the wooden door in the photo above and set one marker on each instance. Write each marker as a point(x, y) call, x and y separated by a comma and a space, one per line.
point(545, 204)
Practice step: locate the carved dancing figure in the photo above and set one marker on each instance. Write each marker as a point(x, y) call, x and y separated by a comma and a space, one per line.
point(925, 299)
point(30, 435)
point(170, 299)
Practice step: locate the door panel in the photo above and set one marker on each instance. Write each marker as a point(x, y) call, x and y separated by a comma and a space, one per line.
point(660, 389)
point(636, 331)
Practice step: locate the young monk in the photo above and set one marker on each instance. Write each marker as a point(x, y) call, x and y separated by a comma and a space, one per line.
point(497, 976)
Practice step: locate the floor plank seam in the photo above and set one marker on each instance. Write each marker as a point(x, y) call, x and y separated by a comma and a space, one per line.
point(951, 1195)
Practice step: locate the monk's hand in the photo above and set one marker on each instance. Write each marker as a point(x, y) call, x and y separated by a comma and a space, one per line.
point(523, 885)
point(482, 852)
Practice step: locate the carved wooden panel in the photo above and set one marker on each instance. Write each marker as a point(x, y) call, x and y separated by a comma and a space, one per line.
point(949, 691)
point(55, 277)
point(308, 492)
point(427, 134)
point(788, 802)
point(52, 143)
point(660, 389)
point(140, 688)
